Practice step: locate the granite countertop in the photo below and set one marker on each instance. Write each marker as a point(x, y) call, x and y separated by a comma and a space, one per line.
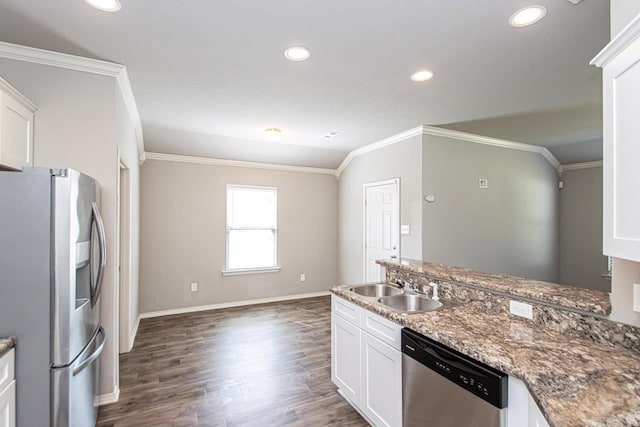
point(574, 382)
point(572, 297)
point(6, 344)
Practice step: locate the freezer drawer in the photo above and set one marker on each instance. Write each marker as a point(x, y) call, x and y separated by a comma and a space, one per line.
point(75, 387)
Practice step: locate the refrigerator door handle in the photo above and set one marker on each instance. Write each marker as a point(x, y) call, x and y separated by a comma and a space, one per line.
point(96, 353)
point(102, 262)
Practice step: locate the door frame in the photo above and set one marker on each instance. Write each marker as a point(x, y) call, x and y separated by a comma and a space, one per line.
point(123, 248)
point(395, 181)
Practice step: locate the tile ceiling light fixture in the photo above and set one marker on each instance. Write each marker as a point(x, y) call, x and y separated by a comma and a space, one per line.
point(297, 53)
point(527, 16)
point(105, 5)
point(273, 133)
point(422, 76)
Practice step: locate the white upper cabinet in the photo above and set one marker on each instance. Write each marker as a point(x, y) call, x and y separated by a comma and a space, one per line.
point(620, 61)
point(7, 390)
point(16, 128)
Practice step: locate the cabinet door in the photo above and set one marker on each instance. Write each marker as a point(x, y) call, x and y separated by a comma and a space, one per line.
point(381, 382)
point(8, 406)
point(16, 133)
point(621, 152)
point(345, 358)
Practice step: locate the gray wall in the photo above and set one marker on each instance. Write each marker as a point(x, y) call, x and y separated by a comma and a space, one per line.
point(581, 259)
point(183, 235)
point(402, 160)
point(510, 227)
point(76, 126)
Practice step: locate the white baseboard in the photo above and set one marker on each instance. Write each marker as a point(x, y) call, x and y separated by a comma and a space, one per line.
point(230, 304)
point(105, 399)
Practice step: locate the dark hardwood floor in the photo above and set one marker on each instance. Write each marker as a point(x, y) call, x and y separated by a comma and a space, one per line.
point(262, 365)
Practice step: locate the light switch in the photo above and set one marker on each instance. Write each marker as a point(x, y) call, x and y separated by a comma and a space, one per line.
point(636, 297)
point(405, 229)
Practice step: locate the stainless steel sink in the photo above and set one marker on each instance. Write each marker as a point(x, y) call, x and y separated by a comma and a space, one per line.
point(378, 290)
point(411, 303)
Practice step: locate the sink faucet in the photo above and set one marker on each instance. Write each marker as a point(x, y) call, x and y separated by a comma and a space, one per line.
point(434, 285)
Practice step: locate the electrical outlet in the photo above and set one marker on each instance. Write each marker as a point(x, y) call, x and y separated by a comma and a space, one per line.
point(194, 287)
point(303, 277)
point(636, 297)
point(521, 309)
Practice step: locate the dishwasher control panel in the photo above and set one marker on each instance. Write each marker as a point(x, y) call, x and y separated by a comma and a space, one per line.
point(476, 377)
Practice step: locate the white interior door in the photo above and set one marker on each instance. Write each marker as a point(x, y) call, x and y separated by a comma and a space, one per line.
point(381, 226)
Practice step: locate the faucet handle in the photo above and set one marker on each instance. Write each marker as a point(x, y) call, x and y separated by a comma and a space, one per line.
point(434, 285)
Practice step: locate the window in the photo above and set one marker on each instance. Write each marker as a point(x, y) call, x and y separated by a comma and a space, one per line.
point(251, 229)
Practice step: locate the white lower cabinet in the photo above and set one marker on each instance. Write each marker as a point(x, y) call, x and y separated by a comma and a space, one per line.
point(345, 357)
point(381, 382)
point(366, 362)
point(536, 419)
point(7, 391)
point(522, 409)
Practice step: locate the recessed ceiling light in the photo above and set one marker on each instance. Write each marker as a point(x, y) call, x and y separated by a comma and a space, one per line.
point(105, 5)
point(421, 76)
point(273, 133)
point(527, 16)
point(297, 53)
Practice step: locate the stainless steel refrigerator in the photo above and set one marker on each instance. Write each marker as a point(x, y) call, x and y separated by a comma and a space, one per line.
point(52, 261)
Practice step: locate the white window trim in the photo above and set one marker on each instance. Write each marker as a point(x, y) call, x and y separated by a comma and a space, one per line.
point(257, 270)
point(240, 271)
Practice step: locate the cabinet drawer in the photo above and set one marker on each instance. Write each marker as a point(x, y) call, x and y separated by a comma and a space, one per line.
point(8, 406)
point(7, 369)
point(384, 329)
point(348, 311)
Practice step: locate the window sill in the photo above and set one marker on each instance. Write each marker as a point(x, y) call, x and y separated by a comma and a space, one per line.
point(251, 271)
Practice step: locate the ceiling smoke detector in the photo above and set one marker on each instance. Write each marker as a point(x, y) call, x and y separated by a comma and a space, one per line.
point(574, 1)
point(273, 133)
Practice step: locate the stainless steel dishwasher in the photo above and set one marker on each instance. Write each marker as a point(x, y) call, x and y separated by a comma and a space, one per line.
point(444, 388)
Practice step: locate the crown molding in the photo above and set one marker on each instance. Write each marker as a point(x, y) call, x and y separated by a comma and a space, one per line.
point(583, 165)
point(14, 93)
point(551, 159)
point(495, 142)
point(453, 134)
point(629, 34)
point(236, 163)
point(86, 65)
point(394, 139)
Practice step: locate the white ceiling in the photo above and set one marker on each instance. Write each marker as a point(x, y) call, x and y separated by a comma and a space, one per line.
point(207, 74)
